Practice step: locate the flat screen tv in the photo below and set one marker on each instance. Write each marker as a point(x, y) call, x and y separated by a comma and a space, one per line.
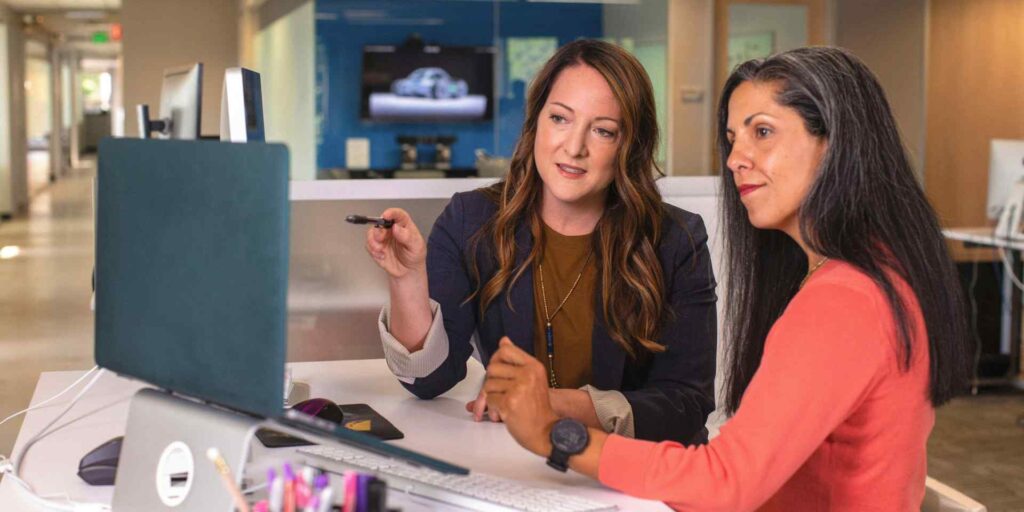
point(427, 84)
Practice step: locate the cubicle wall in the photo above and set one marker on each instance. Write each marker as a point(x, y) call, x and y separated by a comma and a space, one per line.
point(336, 291)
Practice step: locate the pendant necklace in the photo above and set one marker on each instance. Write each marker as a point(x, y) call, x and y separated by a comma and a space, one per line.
point(812, 271)
point(549, 333)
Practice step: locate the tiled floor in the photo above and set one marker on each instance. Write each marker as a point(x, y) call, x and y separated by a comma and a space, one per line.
point(977, 447)
point(45, 320)
point(46, 324)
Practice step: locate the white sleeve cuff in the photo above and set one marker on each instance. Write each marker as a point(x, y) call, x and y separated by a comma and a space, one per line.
point(613, 410)
point(411, 366)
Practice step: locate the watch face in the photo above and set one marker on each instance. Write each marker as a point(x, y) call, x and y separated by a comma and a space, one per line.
point(569, 436)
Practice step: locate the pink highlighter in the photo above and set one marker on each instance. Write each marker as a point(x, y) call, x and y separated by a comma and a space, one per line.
point(302, 492)
point(351, 489)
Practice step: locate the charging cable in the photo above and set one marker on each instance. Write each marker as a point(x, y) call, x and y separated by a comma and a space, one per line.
point(52, 398)
point(1009, 268)
point(12, 467)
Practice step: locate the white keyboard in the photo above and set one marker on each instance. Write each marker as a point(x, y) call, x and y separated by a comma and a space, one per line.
point(474, 491)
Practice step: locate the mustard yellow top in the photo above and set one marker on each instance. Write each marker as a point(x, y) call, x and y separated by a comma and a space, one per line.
point(563, 258)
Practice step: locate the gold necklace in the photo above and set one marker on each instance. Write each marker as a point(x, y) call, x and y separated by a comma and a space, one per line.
point(812, 271)
point(549, 333)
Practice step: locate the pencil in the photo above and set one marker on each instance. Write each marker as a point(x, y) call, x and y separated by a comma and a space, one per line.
point(229, 482)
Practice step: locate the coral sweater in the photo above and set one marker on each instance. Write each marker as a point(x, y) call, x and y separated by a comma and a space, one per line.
point(829, 421)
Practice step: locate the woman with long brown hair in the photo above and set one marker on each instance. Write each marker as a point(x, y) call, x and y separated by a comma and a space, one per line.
point(573, 256)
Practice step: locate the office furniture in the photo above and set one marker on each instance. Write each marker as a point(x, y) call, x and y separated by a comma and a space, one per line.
point(95, 126)
point(939, 497)
point(439, 427)
point(1010, 329)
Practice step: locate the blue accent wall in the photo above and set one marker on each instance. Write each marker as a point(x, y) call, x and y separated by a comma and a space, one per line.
point(344, 27)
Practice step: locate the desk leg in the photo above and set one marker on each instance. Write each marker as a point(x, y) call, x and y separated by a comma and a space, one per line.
point(1009, 341)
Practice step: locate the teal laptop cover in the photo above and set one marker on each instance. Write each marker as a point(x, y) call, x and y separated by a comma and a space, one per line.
point(192, 274)
point(192, 268)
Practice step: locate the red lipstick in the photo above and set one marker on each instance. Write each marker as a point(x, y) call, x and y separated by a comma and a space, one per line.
point(746, 189)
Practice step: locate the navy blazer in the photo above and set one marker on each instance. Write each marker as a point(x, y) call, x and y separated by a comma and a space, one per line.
point(671, 393)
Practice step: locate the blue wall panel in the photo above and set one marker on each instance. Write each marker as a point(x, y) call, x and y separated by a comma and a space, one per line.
point(343, 27)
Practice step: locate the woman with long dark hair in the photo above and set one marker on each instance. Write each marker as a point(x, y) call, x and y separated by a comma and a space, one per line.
point(845, 319)
point(573, 256)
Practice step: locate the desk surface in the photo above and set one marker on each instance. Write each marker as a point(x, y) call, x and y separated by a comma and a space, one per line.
point(983, 236)
point(439, 427)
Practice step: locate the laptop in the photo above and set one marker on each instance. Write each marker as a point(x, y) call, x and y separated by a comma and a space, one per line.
point(192, 276)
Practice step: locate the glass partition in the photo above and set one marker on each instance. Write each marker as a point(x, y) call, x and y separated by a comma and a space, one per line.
point(433, 88)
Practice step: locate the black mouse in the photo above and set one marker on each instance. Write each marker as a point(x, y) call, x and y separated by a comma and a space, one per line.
point(99, 466)
point(321, 408)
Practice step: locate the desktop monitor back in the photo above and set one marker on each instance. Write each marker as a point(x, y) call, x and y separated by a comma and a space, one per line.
point(192, 268)
point(181, 101)
point(1005, 168)
point(241, 106)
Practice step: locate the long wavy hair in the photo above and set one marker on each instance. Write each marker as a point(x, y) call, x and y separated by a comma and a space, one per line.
point(865, 208)
point(626, 238)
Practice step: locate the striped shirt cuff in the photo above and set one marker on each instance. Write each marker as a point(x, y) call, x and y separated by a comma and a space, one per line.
point(411, 366)
point(613, 410)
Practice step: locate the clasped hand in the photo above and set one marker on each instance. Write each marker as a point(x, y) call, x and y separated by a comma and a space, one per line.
point(517, 392)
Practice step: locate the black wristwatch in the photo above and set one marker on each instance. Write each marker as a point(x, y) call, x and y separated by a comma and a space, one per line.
point(568, 437)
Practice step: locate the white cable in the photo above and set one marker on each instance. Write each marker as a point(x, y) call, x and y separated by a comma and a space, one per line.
point(974, 326)
point(52, 398)
point(1009, 268)
point(12, 467)
point(250, 490)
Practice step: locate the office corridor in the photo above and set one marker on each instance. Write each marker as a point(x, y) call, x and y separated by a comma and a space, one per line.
point(46, 325)
point(45, 321)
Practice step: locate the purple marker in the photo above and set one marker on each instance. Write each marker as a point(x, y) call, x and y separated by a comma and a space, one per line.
point(321, 481)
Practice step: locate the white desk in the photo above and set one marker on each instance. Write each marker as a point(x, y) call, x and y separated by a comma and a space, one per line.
point(983, 236)
point(439, 427)
point(1010, 335)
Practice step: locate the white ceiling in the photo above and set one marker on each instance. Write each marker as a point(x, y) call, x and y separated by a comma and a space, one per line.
point(46, 5)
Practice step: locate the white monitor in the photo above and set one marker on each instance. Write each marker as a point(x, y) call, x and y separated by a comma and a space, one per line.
point(181, 102)
point(1005, 168)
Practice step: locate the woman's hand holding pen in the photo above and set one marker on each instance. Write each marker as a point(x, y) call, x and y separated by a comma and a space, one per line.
point(399, 250)
point(402, 253)
point(517, 388)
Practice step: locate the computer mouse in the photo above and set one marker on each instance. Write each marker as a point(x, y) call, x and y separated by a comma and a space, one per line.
point(321, 408)
point(99, 466)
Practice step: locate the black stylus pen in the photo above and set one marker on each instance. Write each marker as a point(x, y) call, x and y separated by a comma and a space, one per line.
point(376, 221)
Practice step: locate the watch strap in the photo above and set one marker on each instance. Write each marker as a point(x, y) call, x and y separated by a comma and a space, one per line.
point(559, 460)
